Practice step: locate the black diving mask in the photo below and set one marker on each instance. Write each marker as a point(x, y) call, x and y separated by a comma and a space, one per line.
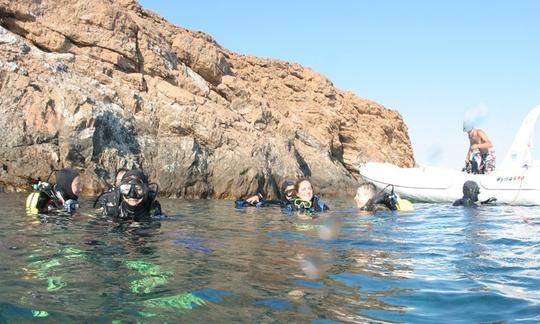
point(289, 193)
point(133, 189)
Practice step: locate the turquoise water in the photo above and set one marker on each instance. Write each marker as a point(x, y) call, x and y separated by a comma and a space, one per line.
point(210, 262)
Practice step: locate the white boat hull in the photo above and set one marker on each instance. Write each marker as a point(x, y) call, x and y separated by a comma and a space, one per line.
point(430, 184)
point(516, 181)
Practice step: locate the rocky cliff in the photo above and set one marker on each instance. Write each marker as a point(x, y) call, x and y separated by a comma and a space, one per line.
point(102, 84)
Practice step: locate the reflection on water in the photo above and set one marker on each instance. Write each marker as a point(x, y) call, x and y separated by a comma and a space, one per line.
point(211, 262)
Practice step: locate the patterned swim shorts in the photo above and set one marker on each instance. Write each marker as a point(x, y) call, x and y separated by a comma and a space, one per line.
point(485, 162)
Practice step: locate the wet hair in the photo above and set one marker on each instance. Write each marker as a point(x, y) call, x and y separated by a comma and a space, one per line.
point(370, 187)
point(64, 180)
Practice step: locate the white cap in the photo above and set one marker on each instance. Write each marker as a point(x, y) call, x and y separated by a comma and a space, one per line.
point(467, 126)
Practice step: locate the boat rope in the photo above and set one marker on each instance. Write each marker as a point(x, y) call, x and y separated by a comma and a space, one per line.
point(526, 167)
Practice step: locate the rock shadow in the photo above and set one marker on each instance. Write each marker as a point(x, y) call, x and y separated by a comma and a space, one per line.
point(113, 132)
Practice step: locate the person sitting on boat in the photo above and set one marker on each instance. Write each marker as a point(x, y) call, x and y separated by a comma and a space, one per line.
point(305, 201)
point(480, 158)
point(471, 190)
point(61, 197)
point(287, 193)
point(132, 200)
point(368, 199)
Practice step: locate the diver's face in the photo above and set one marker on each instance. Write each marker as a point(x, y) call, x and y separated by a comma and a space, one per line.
point(305, 191)
point(289, 192)
point(474, 195)
point(132, 192)
point(362, 197)
point(132, 201)
point(77, 186)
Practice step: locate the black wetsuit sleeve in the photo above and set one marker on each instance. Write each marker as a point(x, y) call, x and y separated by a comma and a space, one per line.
point(272, 202)
point(110, 202)
point(43, 203)
point(490, 201)
point(377, 204)
point(101, 200)
point(319, 205)
point(458, 202)
point(325, 207)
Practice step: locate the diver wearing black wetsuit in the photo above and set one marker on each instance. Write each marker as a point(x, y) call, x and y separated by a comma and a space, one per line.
point(132, 200)
point(305, 201)
point(470, 195)
point(56, 198)
point(311, 206)
point(286, 193)
point(382, 201)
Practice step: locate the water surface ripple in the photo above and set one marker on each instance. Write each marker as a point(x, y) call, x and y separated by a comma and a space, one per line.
point(211, 262)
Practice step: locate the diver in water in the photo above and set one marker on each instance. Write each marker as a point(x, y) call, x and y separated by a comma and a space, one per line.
point(132, 200)
point(287, 193)
point(471, 190)
point(305, 201)
point(368, 199)
point(470, 195)
point(56, 198)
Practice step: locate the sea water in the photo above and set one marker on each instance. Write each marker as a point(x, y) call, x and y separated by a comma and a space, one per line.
point(210, 262)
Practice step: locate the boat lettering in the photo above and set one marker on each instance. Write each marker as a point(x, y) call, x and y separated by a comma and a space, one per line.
point(515, 178)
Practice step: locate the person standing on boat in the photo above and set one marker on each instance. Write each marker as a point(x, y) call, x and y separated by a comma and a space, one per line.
point(480, 156)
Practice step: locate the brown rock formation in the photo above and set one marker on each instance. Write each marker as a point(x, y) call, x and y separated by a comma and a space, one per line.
point(101, 84)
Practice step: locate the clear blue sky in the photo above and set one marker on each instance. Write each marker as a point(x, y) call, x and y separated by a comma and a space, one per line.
point(431, 60)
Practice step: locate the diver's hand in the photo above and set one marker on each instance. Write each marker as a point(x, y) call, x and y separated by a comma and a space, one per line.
point(71, 205)
point(489, 201)
point(254, 199)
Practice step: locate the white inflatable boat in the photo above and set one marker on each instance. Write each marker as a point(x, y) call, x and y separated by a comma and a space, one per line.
point(515, 181)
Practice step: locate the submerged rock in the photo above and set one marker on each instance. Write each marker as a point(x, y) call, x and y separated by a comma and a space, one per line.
point(100, 85)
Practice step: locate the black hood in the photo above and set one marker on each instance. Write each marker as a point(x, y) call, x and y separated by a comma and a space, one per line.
point(140, 211)
point(286, 183)
point(471, 191)
point(64, 179)
point(135, 174)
